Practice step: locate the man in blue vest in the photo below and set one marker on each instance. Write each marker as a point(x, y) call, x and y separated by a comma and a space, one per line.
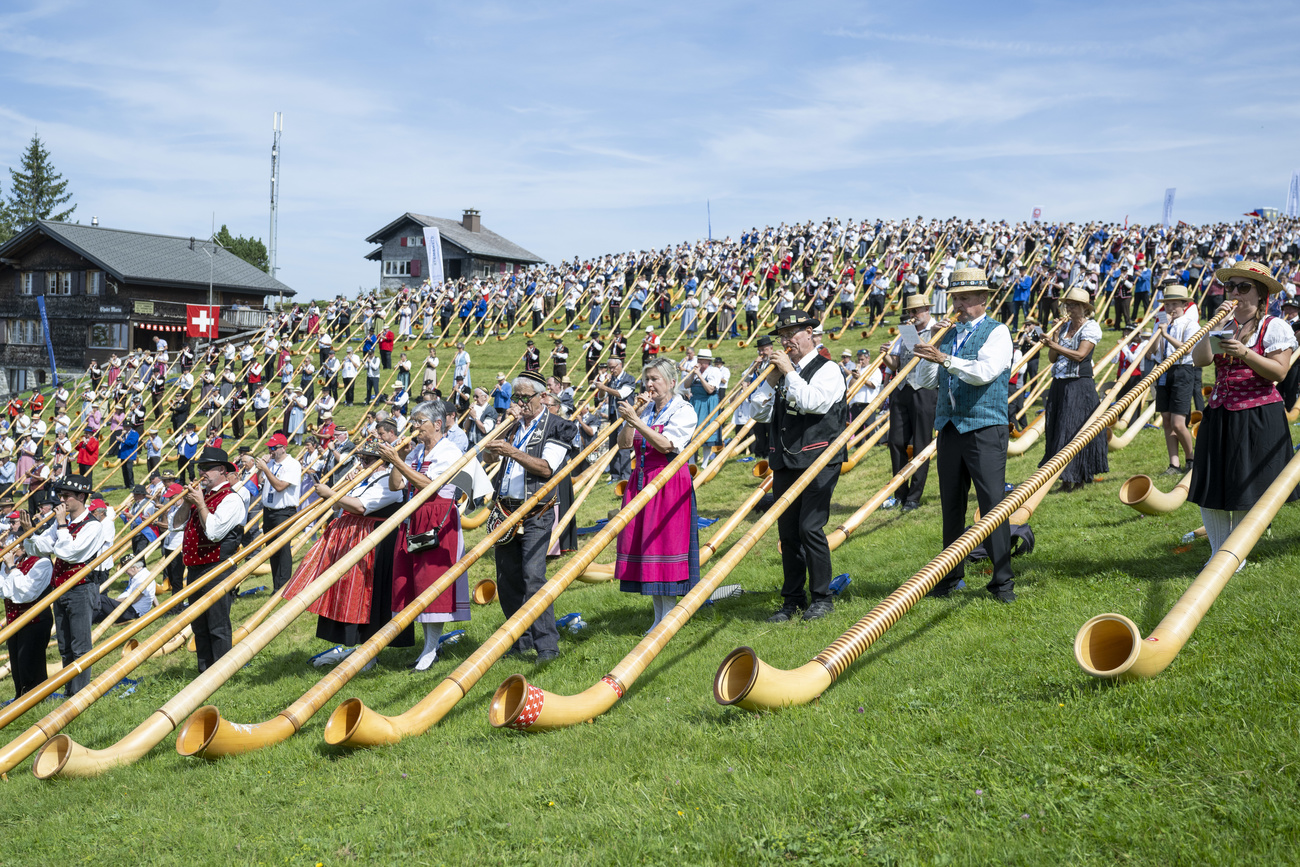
point(971, 417)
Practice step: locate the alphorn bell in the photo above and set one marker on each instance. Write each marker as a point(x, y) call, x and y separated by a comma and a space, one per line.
point(745, 680)
point(1141, 494)
point(1111, 645)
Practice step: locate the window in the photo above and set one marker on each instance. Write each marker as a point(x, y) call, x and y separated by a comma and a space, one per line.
point(58, 282)
point(397, 268)
point(17, 380)
point(94, 282)
point(27, 284)
point(25, 331)
point(108, 336)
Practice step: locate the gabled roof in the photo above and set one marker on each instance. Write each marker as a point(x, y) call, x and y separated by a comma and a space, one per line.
point(140, 257)
point(484, 242)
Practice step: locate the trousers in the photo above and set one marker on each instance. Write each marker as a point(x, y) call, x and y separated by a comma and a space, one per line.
point(911, 423)
point(27, 652)
point(72, 613)
point(282, 560)
point(521, 572)
point(976, 457)
point(212, 631)
point(805, 553)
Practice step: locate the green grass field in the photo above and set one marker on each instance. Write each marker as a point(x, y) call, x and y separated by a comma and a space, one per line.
point(966, 735)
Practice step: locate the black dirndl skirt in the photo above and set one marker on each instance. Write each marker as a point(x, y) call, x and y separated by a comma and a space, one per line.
point(1238, 455)
point(1070, 402)
point(381, 603)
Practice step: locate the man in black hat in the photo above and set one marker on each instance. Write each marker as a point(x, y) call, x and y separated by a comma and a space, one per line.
point(213, 516)
point(73, 540)
point(537, 449)
point(803, 405)
point(532, 358)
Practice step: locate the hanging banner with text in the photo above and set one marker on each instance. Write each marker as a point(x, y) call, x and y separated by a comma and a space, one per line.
point(49, 344)
point(202, 320)
point(433, 247)
point(1168, 216)
point(1293, 196)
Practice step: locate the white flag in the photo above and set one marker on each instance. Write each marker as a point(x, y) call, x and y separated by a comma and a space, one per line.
point(1293, 196)
point(1169, 208)
point(433, 247)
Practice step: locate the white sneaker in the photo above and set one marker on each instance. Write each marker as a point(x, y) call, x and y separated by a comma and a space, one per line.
point(332, 656)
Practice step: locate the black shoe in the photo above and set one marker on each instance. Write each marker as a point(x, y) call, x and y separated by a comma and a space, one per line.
point(786, 613)
point(910, 507)
point(1004, 596)
point(941, 591)
point(545, 656)
point(819, 609)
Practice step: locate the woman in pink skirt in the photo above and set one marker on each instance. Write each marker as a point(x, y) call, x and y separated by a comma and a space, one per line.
point(659, 550)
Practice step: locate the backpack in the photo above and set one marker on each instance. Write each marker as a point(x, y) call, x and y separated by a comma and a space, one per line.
point(1022, 542)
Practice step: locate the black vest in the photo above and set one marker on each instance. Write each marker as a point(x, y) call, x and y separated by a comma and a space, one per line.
point(552, 429)
point(797, 440)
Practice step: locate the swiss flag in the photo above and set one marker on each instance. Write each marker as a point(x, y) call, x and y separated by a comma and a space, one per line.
point(201, 320)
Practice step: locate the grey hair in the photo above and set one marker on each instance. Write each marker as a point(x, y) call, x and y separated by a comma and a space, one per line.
point(525, 380)
point(432, 410)
point(666, 367)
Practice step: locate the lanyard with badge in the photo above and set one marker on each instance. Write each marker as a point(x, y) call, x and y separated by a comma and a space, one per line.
point(519, 441)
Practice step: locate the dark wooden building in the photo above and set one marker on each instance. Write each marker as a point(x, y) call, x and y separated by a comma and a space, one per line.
point(469, 249)
point(109, 290)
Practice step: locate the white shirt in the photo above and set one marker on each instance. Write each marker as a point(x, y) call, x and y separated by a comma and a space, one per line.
point(175, 528)
point(926, 373)
point(289, 471)
point(19, 586)
point(552, 452)
point(806, 398)
point(435, 462)
point(993, 358)
point(678, 419)
point(147, 597)
point(56, 541)
point(375, 494)
point(871, 388)
point(229, 513)
point(1064, 368)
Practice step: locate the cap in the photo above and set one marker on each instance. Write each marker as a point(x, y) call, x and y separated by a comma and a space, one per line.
point(277, 440)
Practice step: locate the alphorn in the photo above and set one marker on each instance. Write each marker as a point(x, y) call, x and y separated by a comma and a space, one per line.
point(745, 680)
point(1141, 494)
point(207, 734)
point(353, 725)
point(1111, 645)
point(1135, 427)
point(519, 705)
point(61, 756)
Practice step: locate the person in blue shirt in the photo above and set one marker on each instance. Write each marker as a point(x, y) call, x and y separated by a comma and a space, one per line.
point(480, 313)
point(501, 395)
point(369, 343)
point(126, 450)
point(1020, 299)
point(1142, 293)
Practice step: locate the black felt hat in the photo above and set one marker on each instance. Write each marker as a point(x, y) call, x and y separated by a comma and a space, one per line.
point(793, 317)
point(72, 484)
point(213, 455)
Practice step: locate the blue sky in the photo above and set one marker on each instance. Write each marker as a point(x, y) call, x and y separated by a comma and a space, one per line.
point(581, 128)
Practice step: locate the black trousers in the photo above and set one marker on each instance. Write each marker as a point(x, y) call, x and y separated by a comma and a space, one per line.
point(911, 423)
point(175, 572)
point(262, 415)
point(72, 613)
point(237, 424)
point(521, 572)
point(212, 631)
point(282, 560)
point(979, 457)
point(620, 466)
point(153, 461)
point(128, 472)
point(27, 652)
point(348, 393)
point(372, 388)
point(386, 358)
point(805, 552)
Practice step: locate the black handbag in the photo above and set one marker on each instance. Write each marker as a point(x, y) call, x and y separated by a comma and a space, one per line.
point(416, 542)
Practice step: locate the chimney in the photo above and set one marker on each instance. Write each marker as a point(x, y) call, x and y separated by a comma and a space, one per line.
point(470, 220)
point(94, 221)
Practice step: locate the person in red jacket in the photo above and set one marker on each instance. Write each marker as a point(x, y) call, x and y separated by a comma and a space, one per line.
point(87, 456)
point(38, 403)
point(16, 407)
point(386, 349)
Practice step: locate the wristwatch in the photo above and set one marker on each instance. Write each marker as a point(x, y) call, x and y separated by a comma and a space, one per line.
point(947, 362)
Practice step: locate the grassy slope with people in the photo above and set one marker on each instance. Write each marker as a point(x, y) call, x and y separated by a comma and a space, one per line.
point(967, 734)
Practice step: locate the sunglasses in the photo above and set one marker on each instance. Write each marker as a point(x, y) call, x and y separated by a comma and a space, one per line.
point(522, 398)
point(1239, 286)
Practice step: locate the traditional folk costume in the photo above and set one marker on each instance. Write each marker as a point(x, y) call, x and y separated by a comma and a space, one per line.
point(361, 602)
point(1071, 401)
point(659, 550)
point(72, 547)
point(23, 587)
point(205, 548)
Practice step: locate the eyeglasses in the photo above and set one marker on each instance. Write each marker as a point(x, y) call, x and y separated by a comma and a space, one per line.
point(522, 398)
point(1239, 286)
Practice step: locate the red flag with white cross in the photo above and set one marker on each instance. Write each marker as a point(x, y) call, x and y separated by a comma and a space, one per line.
point(201, 320)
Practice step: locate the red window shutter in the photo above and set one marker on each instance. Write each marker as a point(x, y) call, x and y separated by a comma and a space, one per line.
point(415, 267)
point(403, 240)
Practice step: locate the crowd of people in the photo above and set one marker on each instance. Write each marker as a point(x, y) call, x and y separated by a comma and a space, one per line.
point(959, 288)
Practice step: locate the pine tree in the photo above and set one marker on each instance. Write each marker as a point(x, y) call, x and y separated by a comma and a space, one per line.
point(37, 190)
point(250, 249)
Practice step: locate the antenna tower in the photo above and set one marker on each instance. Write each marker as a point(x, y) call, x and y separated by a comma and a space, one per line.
point(277, 126)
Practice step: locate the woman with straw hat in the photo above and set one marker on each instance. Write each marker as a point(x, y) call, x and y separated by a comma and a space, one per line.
point(1072, 397)
point(1243, 442)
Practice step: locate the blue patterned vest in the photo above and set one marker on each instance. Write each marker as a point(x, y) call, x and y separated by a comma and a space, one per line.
point(970, 407)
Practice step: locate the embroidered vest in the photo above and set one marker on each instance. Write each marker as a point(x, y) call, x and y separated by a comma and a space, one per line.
point(797, 439)
point(63, 570)
point(970, 407)
point(196, 548)
point(1236, 386)
point(14, 610)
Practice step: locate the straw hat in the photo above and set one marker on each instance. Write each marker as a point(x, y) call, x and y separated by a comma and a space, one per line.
point(1077, 294)
point(968, 280)
point(916, 301)
point(705, 354)
point(1251, 271)
point(1177, 292)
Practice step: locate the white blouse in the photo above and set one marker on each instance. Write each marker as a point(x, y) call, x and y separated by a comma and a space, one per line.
point(678, 418)
point(1064, 368)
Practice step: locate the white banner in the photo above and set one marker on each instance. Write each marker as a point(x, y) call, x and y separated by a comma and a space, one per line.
point(1169, 208)
point(1293, 196)
point(433, 247)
